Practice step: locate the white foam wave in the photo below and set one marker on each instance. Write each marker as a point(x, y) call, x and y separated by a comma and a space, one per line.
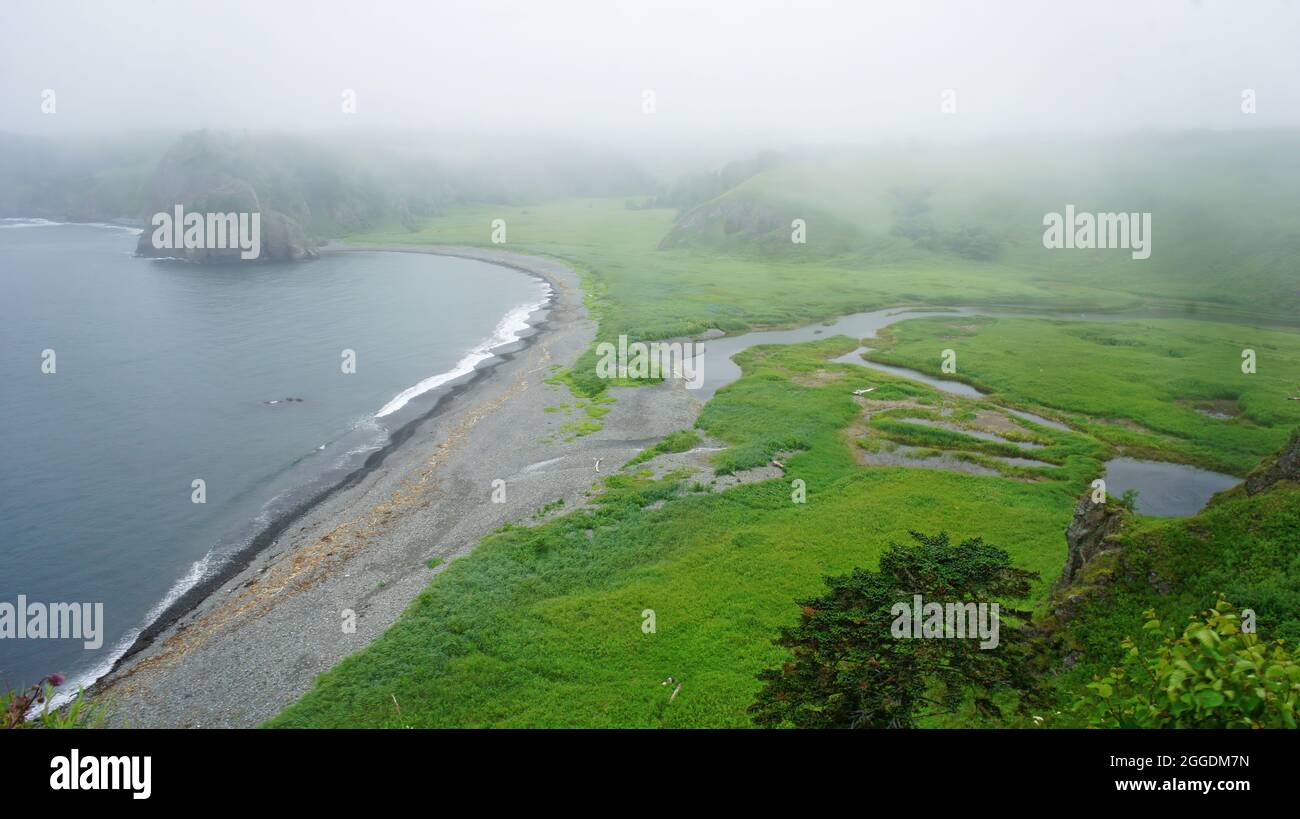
point(22, 223)
point(12, 222)
point(507, 331)
point(68, 691)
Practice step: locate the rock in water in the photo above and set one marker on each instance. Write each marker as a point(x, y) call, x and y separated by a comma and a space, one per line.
point(205, 173)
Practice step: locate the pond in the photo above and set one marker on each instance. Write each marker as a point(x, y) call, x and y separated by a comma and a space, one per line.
point(1165, 489)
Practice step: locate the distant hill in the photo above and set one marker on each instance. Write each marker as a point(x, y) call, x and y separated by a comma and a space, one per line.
point(309, 188)
point(1225, 212)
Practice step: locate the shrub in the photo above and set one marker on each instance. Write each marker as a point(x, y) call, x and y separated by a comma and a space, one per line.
point(1213, 675)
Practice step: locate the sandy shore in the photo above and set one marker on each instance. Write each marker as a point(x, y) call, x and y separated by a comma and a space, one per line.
point(255, 642)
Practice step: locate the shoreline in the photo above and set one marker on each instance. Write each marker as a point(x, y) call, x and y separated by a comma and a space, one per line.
point(239, 646)
point(237, 562)
point(228, 640)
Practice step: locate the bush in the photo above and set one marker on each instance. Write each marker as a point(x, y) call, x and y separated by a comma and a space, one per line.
point(1212, 676)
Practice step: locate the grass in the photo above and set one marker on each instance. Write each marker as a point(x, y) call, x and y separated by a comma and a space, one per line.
point(646, 293)
point(1134, 385)
point(680, 441)
point(1240, 547)
point(541, 625)
point(1229, 258)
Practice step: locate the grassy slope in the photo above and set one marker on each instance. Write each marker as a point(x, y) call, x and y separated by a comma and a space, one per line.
point(650, 293)
point(1236, 256)
point(1241, 547)
point(1224, 212)
point(542, 626)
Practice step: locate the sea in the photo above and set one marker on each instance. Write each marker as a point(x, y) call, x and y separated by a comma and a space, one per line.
point(156, 416)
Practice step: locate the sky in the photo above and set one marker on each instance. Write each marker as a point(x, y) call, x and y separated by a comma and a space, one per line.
point(766, 72)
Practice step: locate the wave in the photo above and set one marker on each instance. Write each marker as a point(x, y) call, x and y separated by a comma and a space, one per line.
point(70, 690)
point(507, 331)
point(20, 222)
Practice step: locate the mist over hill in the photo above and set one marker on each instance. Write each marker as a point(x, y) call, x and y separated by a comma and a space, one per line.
point(324, 185)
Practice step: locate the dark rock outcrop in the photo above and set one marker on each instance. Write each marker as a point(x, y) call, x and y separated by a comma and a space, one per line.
point(1088, 536)
point(1284, 467)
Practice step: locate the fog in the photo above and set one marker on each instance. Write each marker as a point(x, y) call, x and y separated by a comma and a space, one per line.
point(739, 74)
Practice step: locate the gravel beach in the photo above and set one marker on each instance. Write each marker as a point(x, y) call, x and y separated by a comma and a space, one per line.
point(256, 642)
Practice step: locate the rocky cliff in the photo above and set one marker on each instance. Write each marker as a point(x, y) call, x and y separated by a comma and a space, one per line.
point(1284, 467)
point(203, 174)
point(1087, 536)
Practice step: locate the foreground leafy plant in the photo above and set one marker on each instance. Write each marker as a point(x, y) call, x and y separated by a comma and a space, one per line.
point(15, 705)
point(1213, 675)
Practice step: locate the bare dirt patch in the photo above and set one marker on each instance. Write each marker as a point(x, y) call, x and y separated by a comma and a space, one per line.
point(817, 378)
point(1224, 409)
point(990, 421)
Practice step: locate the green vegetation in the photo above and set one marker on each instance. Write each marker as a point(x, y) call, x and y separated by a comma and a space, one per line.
point(1228, 260)
point(79, 713)
point(1213, 675)
point(591, 397)
point(1240, 547)
point(852, 666)
point(548, 508)
point(542, 625)
point(1131, 384)
point(679, 441)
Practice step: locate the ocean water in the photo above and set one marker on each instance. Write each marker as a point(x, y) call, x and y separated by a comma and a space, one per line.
point(167, 373)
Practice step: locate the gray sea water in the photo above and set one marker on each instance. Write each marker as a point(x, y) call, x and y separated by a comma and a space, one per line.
point(167, 373)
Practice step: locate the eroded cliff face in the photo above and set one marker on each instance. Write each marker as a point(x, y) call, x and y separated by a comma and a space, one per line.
point(200, 175)
point(1284, 467)
point(1095, 547)
point(1088, 536)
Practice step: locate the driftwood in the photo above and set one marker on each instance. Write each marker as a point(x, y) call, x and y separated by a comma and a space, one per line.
point(674, 682)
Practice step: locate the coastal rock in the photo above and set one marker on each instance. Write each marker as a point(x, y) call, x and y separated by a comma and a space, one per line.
point(200, 175)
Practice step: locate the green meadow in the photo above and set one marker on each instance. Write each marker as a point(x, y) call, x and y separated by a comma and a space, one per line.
point(1147, 386)
point(884, 228)
point(542, 625)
